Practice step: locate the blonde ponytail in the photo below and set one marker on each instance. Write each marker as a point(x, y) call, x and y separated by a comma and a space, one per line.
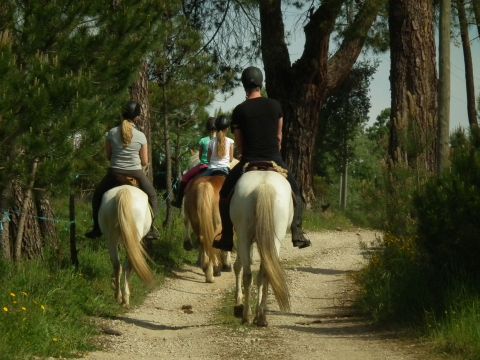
point(127, 132)
point(221, 144)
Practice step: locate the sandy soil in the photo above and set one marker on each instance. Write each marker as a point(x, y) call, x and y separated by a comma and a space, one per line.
point(321, 326)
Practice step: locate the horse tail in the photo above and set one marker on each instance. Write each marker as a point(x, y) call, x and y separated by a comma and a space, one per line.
point(130, 237)
point(265, 237)
point(205, 216)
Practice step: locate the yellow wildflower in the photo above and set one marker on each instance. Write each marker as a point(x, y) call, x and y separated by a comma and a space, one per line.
point(24, 293)
point(55, 339)
point(42, 307)
point(24, 308)
point(14, 301)
point(12, 294)
point(5, 309)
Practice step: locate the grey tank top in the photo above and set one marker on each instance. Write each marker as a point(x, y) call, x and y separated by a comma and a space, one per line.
point(126, 158)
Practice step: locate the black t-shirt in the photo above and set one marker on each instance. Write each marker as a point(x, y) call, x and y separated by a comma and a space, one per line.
point(257, 119)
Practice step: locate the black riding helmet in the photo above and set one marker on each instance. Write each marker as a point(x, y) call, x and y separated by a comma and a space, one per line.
point(131, 110)
point(252, 78)
point(211, 124)
point(222, 122)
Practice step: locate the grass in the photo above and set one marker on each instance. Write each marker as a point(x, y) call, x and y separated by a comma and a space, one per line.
point(457, 331)
point(315, 220)
point(46, 306)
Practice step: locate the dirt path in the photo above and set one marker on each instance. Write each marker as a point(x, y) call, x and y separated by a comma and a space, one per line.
point(321, 325)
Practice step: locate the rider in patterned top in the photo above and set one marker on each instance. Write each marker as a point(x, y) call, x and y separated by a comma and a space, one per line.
point(220, 149)
point(257, 125)
point(199, 168)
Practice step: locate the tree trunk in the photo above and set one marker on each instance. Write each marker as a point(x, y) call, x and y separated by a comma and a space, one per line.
point(303, 87)
point(27, 202)
point(31, 240)
point(476, 11)
point(344, 187)
point(168, 155)
point(139, 93)
point(467, 58)
point(414, 85)
point(444, 83)
point(304, 120)
point(5, 227)
point(46, 219)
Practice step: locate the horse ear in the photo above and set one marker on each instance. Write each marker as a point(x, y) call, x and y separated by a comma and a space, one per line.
point(192, 151)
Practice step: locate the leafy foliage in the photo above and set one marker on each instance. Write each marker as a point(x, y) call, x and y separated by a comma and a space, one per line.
point(65, 68)
point(447, 212)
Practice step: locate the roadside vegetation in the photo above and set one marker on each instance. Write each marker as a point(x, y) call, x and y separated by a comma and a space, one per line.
point(425, 271)
point(47, 307)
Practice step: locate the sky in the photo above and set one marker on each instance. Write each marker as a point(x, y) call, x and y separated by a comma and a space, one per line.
point(380, 83)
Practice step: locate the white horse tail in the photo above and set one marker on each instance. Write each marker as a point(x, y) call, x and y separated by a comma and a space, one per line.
point(130, 237)
point(205, 208)
point(265, 237)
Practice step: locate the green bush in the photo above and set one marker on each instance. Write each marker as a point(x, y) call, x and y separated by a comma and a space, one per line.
point(394, 284)
point(447, 212)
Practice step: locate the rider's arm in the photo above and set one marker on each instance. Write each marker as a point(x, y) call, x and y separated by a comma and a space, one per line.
point(231, 152)
point(209, 154)
point(108, 149)
point(144, 155)
point(238, 140)
point(200, 153)
point(279, 133)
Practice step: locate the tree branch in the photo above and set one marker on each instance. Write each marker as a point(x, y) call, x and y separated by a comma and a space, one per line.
point(274, 48)
point(340, 64)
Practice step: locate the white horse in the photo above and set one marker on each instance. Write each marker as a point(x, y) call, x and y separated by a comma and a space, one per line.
point(261, 210)
point(125, 218)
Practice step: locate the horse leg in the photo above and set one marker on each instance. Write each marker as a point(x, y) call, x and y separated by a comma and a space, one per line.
point(207, 265)
point(260, 317)
point(187, 241)
point(126, 288)
point(117, 271)
point(238, 309)
point(226, 261)
point(245, 259)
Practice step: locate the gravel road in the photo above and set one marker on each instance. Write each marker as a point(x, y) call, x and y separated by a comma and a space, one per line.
point(181, 319)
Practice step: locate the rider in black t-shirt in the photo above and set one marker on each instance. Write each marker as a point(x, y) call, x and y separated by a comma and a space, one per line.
point(257, 125)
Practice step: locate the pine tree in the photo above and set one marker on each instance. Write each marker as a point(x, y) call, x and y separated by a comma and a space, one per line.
point(65, 69)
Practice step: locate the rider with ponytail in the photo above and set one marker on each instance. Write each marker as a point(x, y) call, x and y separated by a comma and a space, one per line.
point(127, 150)
point(220, 149)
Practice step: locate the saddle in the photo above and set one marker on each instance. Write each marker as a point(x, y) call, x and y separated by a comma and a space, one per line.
point(125, 180)
point(264, 166)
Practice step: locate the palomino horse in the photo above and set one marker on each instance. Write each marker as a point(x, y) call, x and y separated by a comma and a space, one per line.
point(261, 211)
point(202, 217)
point(125, 218)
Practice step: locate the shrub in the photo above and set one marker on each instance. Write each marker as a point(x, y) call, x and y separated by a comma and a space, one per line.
point(447, 212)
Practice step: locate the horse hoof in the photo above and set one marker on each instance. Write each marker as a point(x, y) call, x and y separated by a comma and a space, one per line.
point(209, 281)
point(261, 322)
point(187, 245)
point(227, 268)
point(238, 311)
point(217, 273)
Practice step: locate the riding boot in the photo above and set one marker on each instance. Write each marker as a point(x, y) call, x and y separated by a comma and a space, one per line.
point(298, 238)
point(179, 196)
point(224, 241)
